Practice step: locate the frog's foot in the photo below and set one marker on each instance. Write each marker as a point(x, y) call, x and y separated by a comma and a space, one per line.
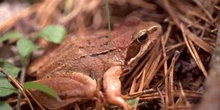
point(112, 87)
point(70, 86)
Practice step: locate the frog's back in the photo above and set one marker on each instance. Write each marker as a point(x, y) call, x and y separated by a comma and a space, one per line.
point(88, 56)
point(92, 53)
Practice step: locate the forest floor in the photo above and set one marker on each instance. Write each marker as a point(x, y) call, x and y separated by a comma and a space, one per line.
point(180, 72)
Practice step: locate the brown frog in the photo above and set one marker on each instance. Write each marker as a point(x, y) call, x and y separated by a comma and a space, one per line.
point(72, 68)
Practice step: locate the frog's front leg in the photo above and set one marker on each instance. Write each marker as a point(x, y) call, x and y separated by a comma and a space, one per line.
point(70, 86)
point(112, 87)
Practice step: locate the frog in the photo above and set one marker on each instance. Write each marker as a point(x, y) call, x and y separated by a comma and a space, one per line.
point(73, 68)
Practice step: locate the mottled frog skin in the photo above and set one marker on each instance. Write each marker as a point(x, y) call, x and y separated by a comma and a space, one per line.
point(72, 68)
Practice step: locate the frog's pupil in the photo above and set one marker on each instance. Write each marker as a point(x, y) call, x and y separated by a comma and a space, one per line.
point(143, 37)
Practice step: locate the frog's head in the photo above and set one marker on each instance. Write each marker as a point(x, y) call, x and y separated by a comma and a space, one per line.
point(141, 40)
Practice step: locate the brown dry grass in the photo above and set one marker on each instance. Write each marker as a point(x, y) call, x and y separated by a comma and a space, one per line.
point(172, 75)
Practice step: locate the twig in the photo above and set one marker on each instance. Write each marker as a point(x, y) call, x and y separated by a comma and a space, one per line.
point(189, 34)
point(22, 79)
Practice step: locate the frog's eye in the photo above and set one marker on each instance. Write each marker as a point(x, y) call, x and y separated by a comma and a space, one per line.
point(142, 37)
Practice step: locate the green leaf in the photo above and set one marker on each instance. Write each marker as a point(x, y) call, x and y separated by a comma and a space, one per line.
point(25, 47)
point(9, 68)
point(11, 35)
point(133, 102)
point(5, 106)
point(6, 87)
point(53, 33)
point(41, 87)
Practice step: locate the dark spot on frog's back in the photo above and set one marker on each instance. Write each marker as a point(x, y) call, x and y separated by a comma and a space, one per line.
point(88, 42)
point(101, 37)
point(81, 47)
point(105, 44)
point(83, 57)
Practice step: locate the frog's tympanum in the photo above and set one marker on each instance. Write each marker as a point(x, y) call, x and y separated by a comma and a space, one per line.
point(73, 68)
